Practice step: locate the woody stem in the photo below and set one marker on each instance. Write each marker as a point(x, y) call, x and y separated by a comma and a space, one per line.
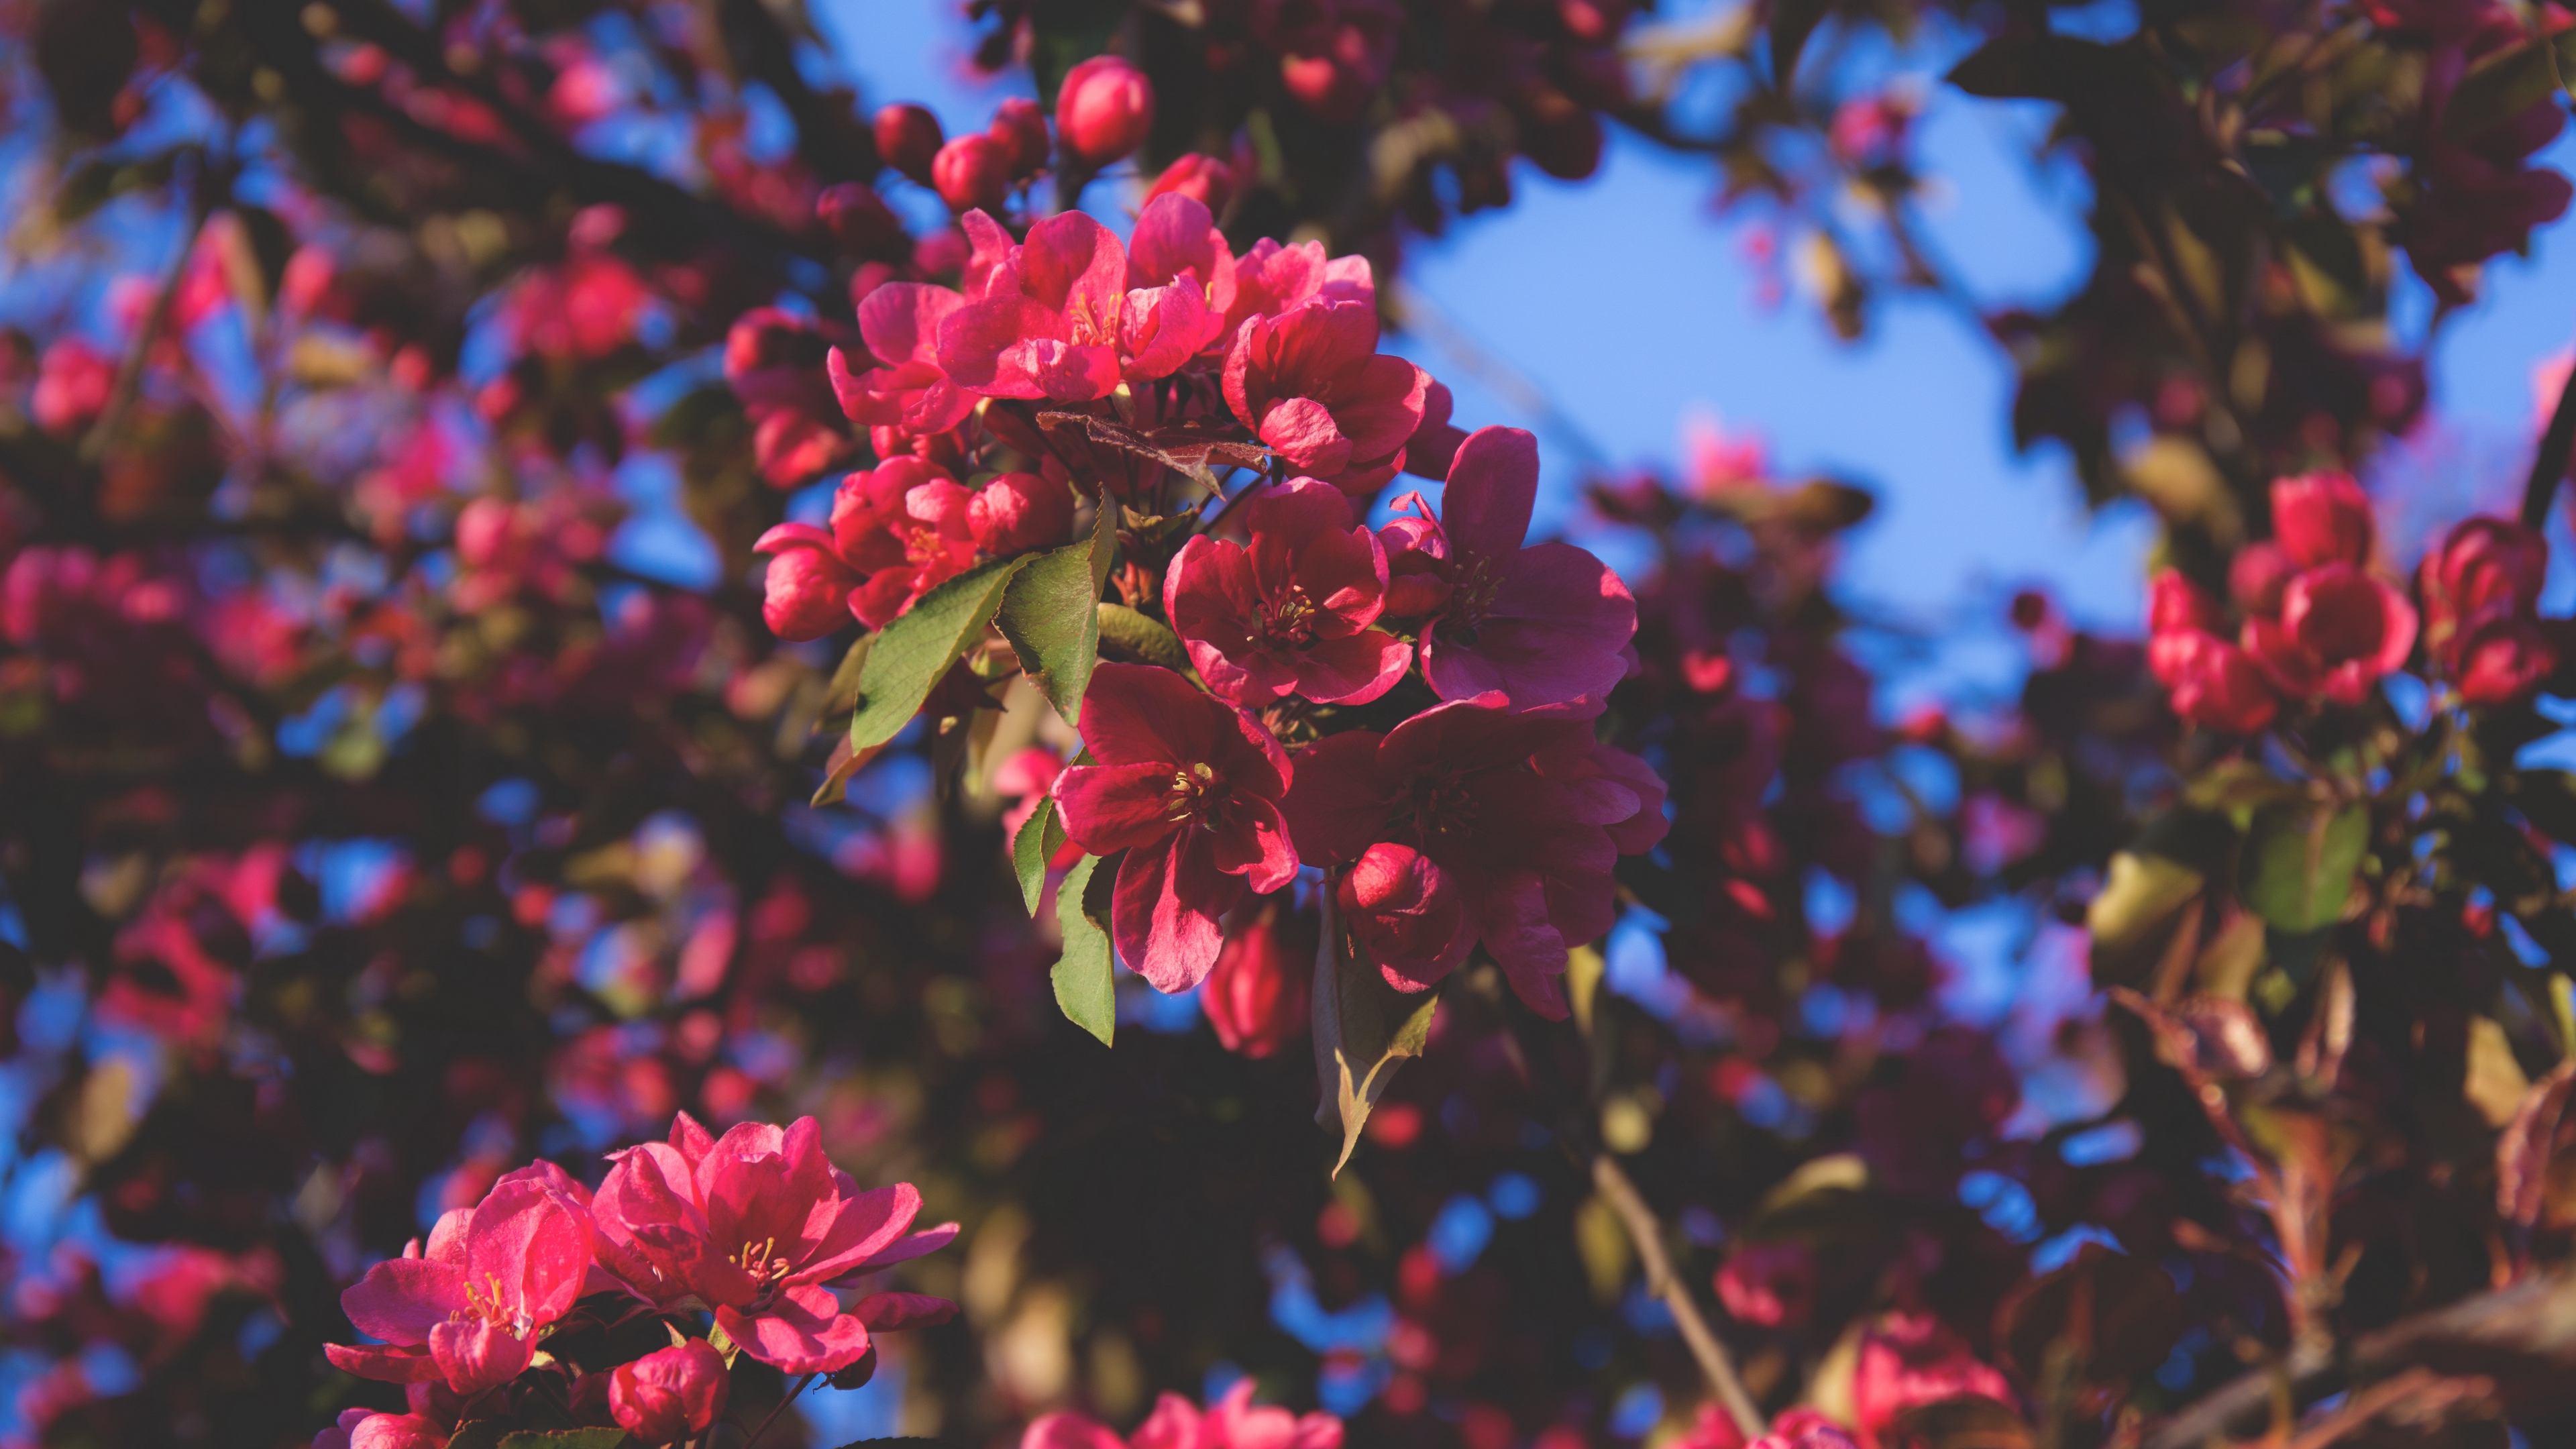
point(2549, 463)
point(1647, 1232)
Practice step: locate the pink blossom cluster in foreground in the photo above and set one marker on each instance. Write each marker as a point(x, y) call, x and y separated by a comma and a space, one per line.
point(756, 1229)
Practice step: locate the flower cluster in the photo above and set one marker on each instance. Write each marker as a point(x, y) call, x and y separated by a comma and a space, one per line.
point(1407, 707)
point(2319, 626)
point(756, 1227)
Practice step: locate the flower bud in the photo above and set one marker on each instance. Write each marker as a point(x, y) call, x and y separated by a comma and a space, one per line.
point(72, 385)
point(2217, 685)
point(1256, 995)
point(1018, 512)
point(395, 1431)
point(2503, 662)
point(1104, 110)
point(1202, 178)
point(1769, 1284)
point(908, 139)
point(2176, 605)
point(2487, 571)
point(972, 172)
point(858, 218)
point(2349, 629)
point(671, 1394)
point(1406, 913)
point(2322, 518)
point(1020, 129)
point(806, 593)
point(2257, 575)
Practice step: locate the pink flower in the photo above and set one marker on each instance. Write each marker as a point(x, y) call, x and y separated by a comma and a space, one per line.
point(907, 389)
point(1190, 788)
point(470, 1309)
point(1256, 998)
point(908, 138)
point(1291, 613)
point(367, 1429)
point(754, 1225)
point(1769, 1284)
point(1019, 127)
point(1522, 815)
point(2257, 576)
point(2215, 684)
point(1176, 237)
point(897, 532)
point(1103, 110)
point(806, 593)
point(2322, 518)
point(1054, 319)
point(1312, 384)
point(2481, 591)
point(972, 173)
point(1204, 179)
point(1405, 914)
point(1541, 624)
point(1271, 279)
point(1018, 512)
point(1910, 1359)
point(73, 383)
point(2340, 632)
point(669, 1394)
point(1233, 1422)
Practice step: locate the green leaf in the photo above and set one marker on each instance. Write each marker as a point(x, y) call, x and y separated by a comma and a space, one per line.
point(1084, 989)
point(1364, 1030)
point(1141, 636)
point(609, 1438)
point(912, 653)
point(1050, 616)
point(2499, 87)
point(2298, 868)
point(478, 1434)
point(1040, 837)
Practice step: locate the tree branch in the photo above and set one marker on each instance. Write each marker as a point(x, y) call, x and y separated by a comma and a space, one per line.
point(2549, 464)
point(1647, 1232)
point(2532, 1322)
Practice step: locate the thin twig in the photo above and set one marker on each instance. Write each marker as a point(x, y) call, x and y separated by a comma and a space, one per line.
point(2532, 1321)
point(802, 1385)
point(129, 368)
point(2549, 464)
point(1648, 1234)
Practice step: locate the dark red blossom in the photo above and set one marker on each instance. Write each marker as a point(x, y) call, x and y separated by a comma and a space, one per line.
point(1521, 815)
point(1542, 624)
point(1291, 614)
point(1256, 996)
point(2340, 632)
point(1190, 789)
point(906, 389)
point(2481, 592)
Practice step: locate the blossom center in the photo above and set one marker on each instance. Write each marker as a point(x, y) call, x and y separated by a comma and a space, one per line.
point(485, 1303)
point(1471, 600)
point(1195, 797)
point(1288, 619)
point(1442, 807)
